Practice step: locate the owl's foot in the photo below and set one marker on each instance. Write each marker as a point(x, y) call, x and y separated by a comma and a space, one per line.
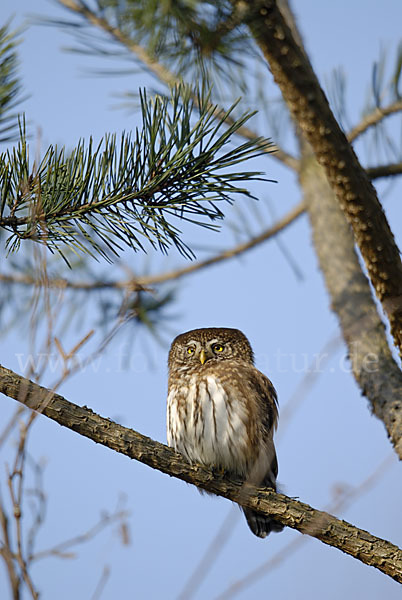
point(219, 472)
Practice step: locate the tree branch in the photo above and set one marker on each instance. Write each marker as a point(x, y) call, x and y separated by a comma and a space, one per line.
point(8, 556)
point(280, 225)
point(96, 198)
point(141, 283)
point(164, 74)
point(374, 118)
point(61, 549)
point(384, 170)
point(355, 193)
point(360, 544)
point(373, 365)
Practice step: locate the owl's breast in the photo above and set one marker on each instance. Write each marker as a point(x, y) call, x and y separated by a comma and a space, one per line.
point(210, 425)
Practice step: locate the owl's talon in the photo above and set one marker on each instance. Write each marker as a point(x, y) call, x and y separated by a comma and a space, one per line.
point(219, 471)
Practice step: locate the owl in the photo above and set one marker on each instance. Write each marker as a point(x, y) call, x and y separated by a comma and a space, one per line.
point(222, 412)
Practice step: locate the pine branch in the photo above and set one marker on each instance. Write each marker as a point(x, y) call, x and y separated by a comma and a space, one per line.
point(166, 76)
point(10, 86)
point(124, 192)
point(360, 544)
point(141, 283)
point(356, 195)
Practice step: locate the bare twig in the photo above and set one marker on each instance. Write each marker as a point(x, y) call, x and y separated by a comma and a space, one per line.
point(60, 549)
point(360, 544)
point(15, 486)
point(100, 586)
point(8, 555)
point(142, 283)
point(374, 118)
point(312, 373)
point(384, 170)
point(61, 283)
point(281, 224)
point(11, 424)
point(209, 557)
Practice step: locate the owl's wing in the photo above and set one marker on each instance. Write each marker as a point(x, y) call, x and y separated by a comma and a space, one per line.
point(268, 400)
point(262, 525)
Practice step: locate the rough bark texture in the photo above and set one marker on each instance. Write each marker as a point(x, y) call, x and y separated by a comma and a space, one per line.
point(362, 545)
point(374, 368)
point(311, 112)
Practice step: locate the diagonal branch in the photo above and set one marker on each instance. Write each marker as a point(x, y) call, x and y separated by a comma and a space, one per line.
point(374, 118)
point(355, 193)
point(279, 226)
point(360, 544)
point(163, 73)
point(141, 283)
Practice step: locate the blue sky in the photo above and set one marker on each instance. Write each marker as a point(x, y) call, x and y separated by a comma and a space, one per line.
point(331, 441)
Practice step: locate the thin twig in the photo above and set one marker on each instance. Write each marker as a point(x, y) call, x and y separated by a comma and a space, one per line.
point(289, 218)
point(209, 557)
point(100, 586)
point(61, 548)
point(142, 283)
point(389, 170)
point(374, 118)
point(16, 495)
point(11, 424)
point(8, 555)
point(314, 370)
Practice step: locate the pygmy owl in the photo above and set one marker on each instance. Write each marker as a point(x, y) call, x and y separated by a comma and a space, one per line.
point(222, 412)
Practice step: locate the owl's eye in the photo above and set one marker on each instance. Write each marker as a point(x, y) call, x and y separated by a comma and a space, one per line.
point(218, 348)
point(190, 350)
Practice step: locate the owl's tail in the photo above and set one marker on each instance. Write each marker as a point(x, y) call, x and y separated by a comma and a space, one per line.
point(260, 524)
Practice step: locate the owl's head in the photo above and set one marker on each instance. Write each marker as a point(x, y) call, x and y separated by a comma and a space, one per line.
point(199, 346)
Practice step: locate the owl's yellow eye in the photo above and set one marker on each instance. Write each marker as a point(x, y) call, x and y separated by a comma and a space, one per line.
point(218, 348)
point(190, 350)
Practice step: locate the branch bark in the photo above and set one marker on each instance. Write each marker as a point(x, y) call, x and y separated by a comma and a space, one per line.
point(358, 543)
point(373, 365)
point(355, 193)
point(384, 170)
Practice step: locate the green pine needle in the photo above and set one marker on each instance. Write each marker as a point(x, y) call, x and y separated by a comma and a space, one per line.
point(124, 192)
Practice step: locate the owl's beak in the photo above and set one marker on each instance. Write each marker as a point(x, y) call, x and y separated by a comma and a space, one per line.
point(203, 356)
